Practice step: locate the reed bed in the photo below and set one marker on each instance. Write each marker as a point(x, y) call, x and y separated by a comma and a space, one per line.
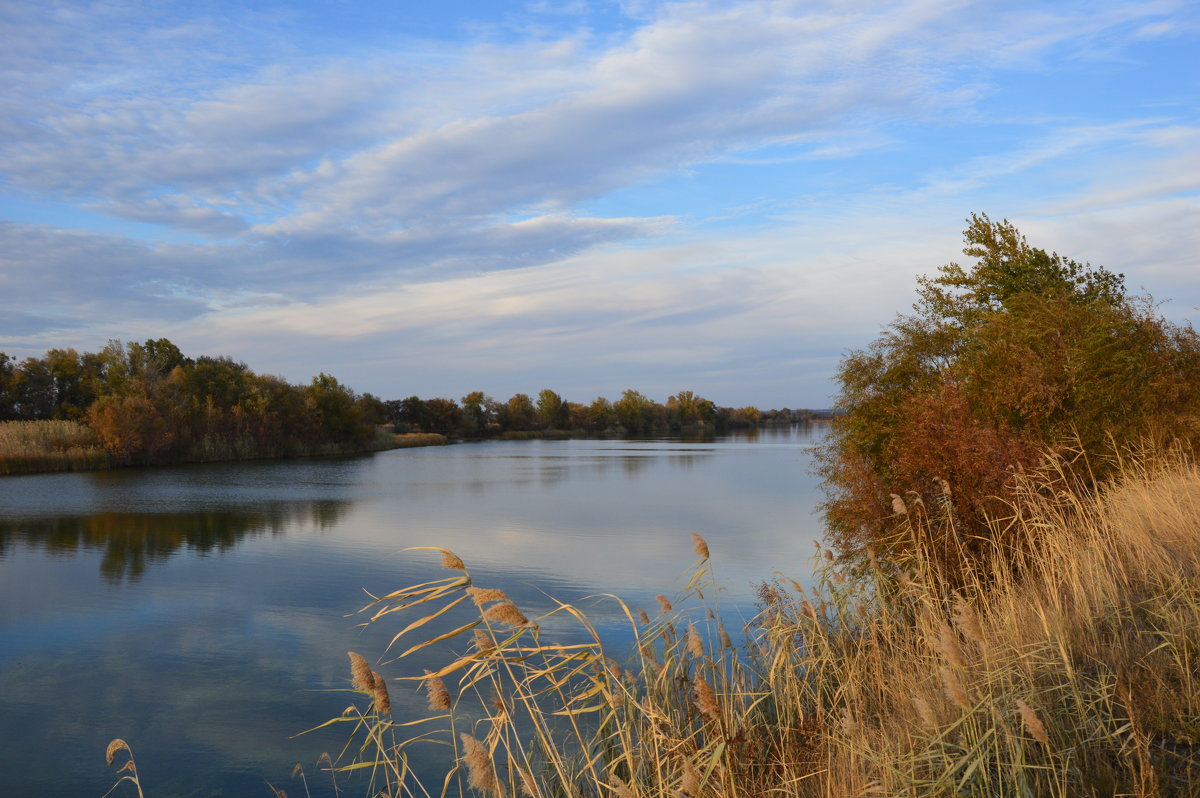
point(1067, 667)
point(39, 446)
point(409, 440)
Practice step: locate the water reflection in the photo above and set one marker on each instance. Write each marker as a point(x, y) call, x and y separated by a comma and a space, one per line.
point(113, 605)
point(132, 541)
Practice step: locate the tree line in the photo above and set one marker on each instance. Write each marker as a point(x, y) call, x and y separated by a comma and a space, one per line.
point(479, 415)
point(149, 403)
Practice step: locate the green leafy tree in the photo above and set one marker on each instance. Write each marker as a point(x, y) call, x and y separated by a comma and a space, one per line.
point(600, 415)
point(634, 412)
point(518, 413)
point(1024, 353)
point(478, 411)
point(444, 416)
point(333, 406)
point(552, 410)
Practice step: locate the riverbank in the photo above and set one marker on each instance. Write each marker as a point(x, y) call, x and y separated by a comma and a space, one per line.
point(1062, 668)
point(41, 447)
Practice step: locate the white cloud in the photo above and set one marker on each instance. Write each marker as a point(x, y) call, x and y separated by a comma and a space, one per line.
point(425, 203)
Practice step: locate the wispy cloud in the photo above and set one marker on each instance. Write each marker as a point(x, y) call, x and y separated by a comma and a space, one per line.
point(542, 178)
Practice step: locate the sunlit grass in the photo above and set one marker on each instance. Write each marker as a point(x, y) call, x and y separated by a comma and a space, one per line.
point(35, 446)
point(410, 440)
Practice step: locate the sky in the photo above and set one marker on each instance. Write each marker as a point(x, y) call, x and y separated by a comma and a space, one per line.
point(590, 196)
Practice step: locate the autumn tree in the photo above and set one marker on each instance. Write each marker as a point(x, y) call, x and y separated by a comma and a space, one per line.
point(552, 410)
point(1025, 353)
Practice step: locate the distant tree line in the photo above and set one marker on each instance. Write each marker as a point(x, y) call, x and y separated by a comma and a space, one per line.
point(479, 415)
point(148, 403)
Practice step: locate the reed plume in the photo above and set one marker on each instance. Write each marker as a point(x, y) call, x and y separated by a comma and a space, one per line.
point(487, 595)
point(439, 696)
point(690, 783)
point(452, 561)
point(967, 620)
point(360, 673)
point(664, 603)
point(948, 646)
point(700, 546)
point(621, 788)
point(480, 773)
point(953, 687)
point(695, 645)
point(1033, 724)
point(706, 700)
point(117, 744)
point(383, 701)
point(506, 614)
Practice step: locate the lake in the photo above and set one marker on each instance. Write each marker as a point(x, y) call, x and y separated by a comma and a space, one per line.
point(204, 612)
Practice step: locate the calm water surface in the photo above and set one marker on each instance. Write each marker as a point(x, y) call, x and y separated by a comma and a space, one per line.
point(200, 612)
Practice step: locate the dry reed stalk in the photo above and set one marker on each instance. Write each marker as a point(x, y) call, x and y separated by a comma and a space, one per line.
point(360, 673)
point(528, 785)
point(949, 647)
point(383, 701)
point(487, 595)
point(483, 642)
point(943, 486)
point(700, 546)
point(664, 603)
point(481, 774)
point(953, 687)
point(117, 744)
point(695, 645)
point(689, 784)
point(925, 712)
point(1033, 724)
point(967, 621)
point(439, 696)
point(506, 614)
point(621, 788)
point(706, 700)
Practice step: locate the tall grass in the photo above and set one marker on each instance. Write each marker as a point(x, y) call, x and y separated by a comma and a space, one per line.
point(37, 446)
point(1066, 667)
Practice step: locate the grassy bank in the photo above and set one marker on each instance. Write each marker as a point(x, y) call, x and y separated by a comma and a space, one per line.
point(28, 447)
point(1067, 666)
point(33, 447)
point(411, 440)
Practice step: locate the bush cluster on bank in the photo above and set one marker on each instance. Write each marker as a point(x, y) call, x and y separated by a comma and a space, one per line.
point(148, 403)
point(1024, 353)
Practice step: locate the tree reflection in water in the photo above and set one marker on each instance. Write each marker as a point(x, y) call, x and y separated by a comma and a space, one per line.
point(132, 541)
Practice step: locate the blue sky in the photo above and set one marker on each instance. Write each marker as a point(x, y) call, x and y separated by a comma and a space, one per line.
point(590, 196)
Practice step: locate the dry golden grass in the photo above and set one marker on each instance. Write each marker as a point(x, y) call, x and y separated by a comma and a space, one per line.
point(409, 440)
point(39, 446)
point(1067, 668)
